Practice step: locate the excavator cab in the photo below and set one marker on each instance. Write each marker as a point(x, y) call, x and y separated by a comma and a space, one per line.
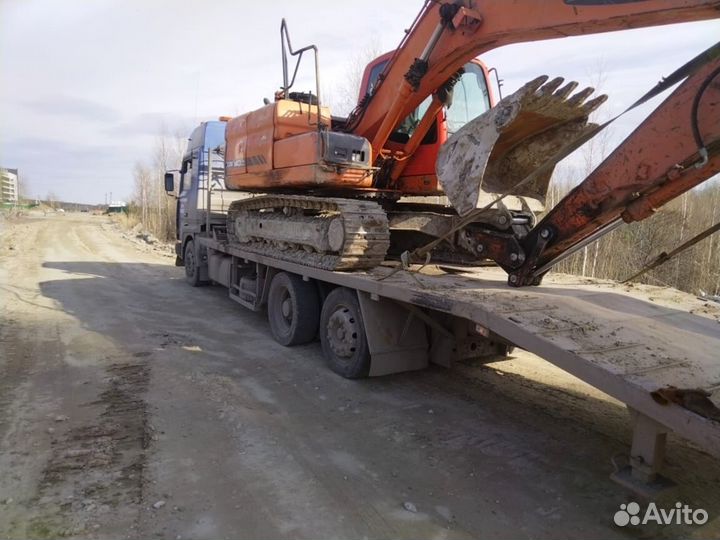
point(472, 96)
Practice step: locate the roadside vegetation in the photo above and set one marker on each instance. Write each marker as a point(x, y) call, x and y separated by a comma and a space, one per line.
point(150, 205)
point(625, 251)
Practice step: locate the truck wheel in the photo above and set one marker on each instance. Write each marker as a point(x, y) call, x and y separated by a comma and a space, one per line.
point(342, 334)
point(192, 272)
point(293, 309)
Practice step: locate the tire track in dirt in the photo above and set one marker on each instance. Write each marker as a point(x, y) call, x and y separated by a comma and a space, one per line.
point(96, 470)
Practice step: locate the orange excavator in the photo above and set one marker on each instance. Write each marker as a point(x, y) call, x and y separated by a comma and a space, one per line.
point(428, 165)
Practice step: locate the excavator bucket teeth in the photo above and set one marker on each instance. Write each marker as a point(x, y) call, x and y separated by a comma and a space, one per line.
point(494, 152)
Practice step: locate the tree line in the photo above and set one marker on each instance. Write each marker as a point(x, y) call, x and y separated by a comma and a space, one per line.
point(150, 205)
point(623, 252)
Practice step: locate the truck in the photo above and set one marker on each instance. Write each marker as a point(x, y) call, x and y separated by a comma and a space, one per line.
point(288, 210)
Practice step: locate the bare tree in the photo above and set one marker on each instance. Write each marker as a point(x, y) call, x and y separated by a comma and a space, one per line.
point(151, 205)
point(23, 182)
point(344, 97)
point(52, 200)
point(594, 152)
point(143, 179)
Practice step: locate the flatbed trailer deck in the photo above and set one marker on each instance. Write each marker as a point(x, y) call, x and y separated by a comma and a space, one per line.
point(616, 340)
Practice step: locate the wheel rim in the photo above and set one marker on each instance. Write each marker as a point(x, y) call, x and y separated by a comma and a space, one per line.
point(286, 308)
point(342, 332)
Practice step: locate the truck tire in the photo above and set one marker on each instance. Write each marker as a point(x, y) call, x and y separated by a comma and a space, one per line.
point(293, 309)
point(192, 271)
point(342, 334)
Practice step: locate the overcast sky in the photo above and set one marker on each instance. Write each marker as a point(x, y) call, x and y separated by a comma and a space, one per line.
point(87, 85)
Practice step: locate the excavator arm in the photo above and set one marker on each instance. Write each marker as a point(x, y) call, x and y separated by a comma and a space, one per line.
point(449, 33)
point(676, 148)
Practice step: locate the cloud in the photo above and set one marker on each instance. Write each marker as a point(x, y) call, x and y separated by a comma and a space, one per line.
point(80, 171)
point(151, 124)
point(70, 106)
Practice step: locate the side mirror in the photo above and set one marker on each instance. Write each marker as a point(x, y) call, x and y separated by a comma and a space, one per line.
point(170, 182)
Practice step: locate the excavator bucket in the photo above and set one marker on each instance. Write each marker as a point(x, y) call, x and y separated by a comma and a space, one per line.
point(494, 152)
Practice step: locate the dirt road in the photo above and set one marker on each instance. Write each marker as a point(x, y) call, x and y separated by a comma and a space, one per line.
point(134, 406)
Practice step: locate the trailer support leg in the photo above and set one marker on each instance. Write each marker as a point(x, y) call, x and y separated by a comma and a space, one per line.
point(647, 454)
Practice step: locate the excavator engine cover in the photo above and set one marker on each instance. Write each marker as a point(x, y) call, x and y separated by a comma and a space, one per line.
point(494, 152)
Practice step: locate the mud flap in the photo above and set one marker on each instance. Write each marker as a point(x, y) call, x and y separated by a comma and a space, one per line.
point(498, 149)
point(397, 340)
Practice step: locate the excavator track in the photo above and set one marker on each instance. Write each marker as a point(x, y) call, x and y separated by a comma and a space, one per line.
point(325, 233)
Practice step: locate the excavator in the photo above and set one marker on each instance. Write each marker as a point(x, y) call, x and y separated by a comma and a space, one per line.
point(430, 166)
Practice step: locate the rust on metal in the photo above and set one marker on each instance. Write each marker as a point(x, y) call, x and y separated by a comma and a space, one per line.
point(696, 400)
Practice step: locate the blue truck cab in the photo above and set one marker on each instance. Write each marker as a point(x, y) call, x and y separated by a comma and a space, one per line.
point(205, 146)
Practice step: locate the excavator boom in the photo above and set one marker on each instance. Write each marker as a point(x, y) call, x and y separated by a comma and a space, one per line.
point(449, 33)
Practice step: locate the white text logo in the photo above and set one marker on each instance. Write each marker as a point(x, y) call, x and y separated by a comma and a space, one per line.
point(681, 514)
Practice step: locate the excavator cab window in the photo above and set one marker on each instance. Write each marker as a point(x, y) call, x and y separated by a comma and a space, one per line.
point(375, 72)
point(471, 98)
point(407, 127)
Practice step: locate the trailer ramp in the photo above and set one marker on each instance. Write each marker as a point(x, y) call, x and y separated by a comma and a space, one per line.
point(641, 350)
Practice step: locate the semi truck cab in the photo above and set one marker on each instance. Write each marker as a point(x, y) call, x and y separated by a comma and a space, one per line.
point(202, 165)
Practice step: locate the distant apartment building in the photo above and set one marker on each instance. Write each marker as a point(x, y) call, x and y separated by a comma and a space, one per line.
point(8, 185)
